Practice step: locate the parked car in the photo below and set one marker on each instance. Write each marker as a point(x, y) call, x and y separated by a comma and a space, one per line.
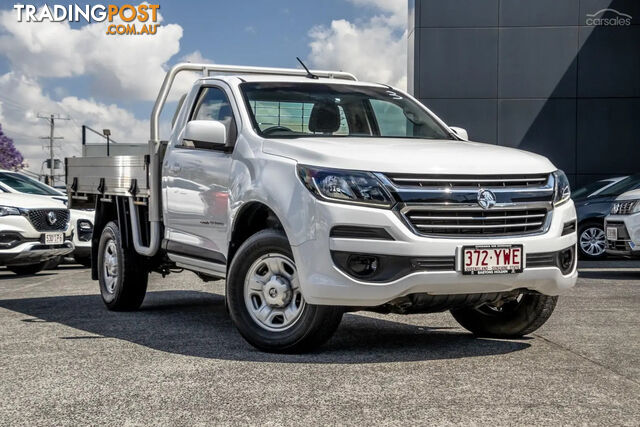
point(594, 188)
point(33, 231)
point(623, 225)
point(81, 220)
point(324, 195)
point(593, 203)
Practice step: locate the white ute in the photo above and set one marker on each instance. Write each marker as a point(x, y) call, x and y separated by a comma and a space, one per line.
point(313, 194)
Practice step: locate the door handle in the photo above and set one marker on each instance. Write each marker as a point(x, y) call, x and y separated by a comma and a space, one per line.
point(174, 168)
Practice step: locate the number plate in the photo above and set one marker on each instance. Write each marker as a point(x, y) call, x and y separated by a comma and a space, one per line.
point(492, 259)
point(612, 233)
point(53, 238)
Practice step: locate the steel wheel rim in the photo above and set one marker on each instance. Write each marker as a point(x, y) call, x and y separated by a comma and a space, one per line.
point(272, 293)
point(592, 241)
point(110, 266)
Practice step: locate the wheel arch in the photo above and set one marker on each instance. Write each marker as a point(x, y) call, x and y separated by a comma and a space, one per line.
point(594, 219)
point(114, 210)
point(585, 224)
point(252, 217)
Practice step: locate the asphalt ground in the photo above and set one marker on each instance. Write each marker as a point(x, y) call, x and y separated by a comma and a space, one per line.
point(66, 360)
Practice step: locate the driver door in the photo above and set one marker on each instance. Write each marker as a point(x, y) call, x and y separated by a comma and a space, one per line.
point(197, 184)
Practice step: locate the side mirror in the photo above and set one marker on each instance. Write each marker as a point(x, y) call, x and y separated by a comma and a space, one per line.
point(205, 134)
point(462, 133)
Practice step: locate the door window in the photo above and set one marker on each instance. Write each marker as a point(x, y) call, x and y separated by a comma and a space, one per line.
point(213, 104)
point(24, 184)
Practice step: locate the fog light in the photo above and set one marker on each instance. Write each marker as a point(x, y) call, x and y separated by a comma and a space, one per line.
point(9, 240)
point(566, 258)
point(84, 225)
point(362, 265)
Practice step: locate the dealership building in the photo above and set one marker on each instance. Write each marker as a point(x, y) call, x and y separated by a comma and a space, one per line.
point(556, 77)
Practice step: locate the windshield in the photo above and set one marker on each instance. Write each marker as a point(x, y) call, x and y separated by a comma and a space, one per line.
point(24, 184)
point(629, 183)
point(589, 189)
point(281, 110)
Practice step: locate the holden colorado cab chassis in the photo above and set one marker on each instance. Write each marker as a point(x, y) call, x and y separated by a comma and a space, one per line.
point(312, 194)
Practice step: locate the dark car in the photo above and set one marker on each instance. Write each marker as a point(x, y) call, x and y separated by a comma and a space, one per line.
point(593, 203)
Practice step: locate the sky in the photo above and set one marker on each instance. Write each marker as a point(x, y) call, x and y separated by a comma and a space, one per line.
point(77, 71)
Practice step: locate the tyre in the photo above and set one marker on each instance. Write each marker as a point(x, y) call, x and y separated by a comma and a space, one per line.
point(23, 270)
point(518, 316)
point(122, 273)
point(265, 301)
point(592, 241)
point(83, 260)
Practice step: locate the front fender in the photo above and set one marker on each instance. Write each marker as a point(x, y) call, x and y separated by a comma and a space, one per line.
point(274, 183)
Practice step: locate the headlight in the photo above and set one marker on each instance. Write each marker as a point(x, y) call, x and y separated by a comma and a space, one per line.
point(8, 210)
point(562, 188)
point(345, 186)
point(625, 208)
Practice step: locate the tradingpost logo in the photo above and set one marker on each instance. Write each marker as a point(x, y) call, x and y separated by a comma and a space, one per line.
point(135, 20)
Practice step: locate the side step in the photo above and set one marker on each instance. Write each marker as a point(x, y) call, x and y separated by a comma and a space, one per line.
point(207, 267)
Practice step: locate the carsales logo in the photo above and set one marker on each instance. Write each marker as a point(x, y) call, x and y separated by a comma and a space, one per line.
point(136, 20)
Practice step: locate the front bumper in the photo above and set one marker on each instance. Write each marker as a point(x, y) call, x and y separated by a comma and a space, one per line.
point(324, 283)
point(628, 242)
point(82, 235)
point(82, 251)
point(82, 247)
point(27, 244)
point(34, 252)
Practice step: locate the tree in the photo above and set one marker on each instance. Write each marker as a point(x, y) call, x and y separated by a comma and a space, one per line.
point(10, 157)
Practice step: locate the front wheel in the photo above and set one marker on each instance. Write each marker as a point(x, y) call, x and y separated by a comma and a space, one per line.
point(265, 300)
point(121, 272)
point(511, 317)
point(592, 241)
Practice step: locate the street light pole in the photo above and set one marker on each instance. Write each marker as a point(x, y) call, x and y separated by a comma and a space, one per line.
point(52, 163)
point(51, 118)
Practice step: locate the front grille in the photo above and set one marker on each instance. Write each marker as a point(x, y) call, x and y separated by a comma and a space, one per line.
point(40, 221)
point(468, 181)
point(434, 263)
point(475, 222)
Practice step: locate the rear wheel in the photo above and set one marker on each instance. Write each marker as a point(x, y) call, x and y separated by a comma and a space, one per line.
point(592, 241)
point(512, 317)
point(265, 300)
point(121, 272)
point(23, 270)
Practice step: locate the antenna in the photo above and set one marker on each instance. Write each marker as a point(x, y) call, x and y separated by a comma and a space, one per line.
point(310, 75)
